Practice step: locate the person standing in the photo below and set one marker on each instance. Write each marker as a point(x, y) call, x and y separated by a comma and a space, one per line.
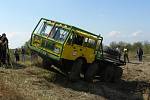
point(23, 54)
point(126, 58)
point(16, 53)
point(140, 54)
point(4, 47)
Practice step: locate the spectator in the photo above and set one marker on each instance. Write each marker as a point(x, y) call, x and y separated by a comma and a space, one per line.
point(23, 54)
point(3, 48)
point(140, 53)
point(126, 58)
point(16, 53)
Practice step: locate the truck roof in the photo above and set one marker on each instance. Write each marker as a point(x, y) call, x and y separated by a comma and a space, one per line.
point(84, 32)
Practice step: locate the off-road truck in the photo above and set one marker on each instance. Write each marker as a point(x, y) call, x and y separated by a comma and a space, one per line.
point(74, 51)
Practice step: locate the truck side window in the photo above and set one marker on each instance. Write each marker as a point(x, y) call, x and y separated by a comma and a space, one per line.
point(77, 39)
point(86, 42)
point(58, 34)
point(89, 43)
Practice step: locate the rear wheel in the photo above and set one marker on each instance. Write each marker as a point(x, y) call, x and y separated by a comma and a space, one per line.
point(118, 74)
point(91, 72)
point(75, 70)
point(108, 74)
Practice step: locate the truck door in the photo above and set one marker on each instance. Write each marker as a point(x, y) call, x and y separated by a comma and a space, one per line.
point(79, 46)
point(73, 47)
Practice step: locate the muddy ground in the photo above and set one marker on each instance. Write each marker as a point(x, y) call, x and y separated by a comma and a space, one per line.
point(28, 82)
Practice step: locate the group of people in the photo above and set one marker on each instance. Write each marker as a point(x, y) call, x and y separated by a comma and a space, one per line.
point(4, 51)
point(22, 52)
point(17, 54)
point(4, 56)
point(126, 57)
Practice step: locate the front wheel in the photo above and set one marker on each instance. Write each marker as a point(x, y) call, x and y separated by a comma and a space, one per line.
point(46, 64)
point(75, 70)
point(91, 72)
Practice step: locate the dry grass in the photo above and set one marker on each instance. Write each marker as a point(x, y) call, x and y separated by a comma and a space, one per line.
point(24, 81)
point(9, 94)
point(32, 83)
point(28, 82)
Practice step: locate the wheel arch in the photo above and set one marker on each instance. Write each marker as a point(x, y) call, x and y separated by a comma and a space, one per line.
point(83, 58)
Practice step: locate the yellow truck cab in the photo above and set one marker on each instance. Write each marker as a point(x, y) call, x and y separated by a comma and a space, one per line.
point(61, 41)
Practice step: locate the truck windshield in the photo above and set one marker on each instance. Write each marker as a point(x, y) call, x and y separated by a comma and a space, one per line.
point(58, 34)
point(52, 31)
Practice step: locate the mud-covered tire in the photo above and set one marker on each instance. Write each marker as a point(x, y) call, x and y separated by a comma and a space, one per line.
point(91, 72)
point(118, 74)
point(108, 74)
point(46, 64)
point(76, 70)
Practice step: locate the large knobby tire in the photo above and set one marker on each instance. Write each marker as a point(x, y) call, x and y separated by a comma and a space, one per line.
point(108, 74)
point(118, 74)
point(46, 64)
point(76, 70)
point(91, 72)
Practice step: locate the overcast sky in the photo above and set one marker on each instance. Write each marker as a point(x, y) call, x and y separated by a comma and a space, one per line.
point(115, 20)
